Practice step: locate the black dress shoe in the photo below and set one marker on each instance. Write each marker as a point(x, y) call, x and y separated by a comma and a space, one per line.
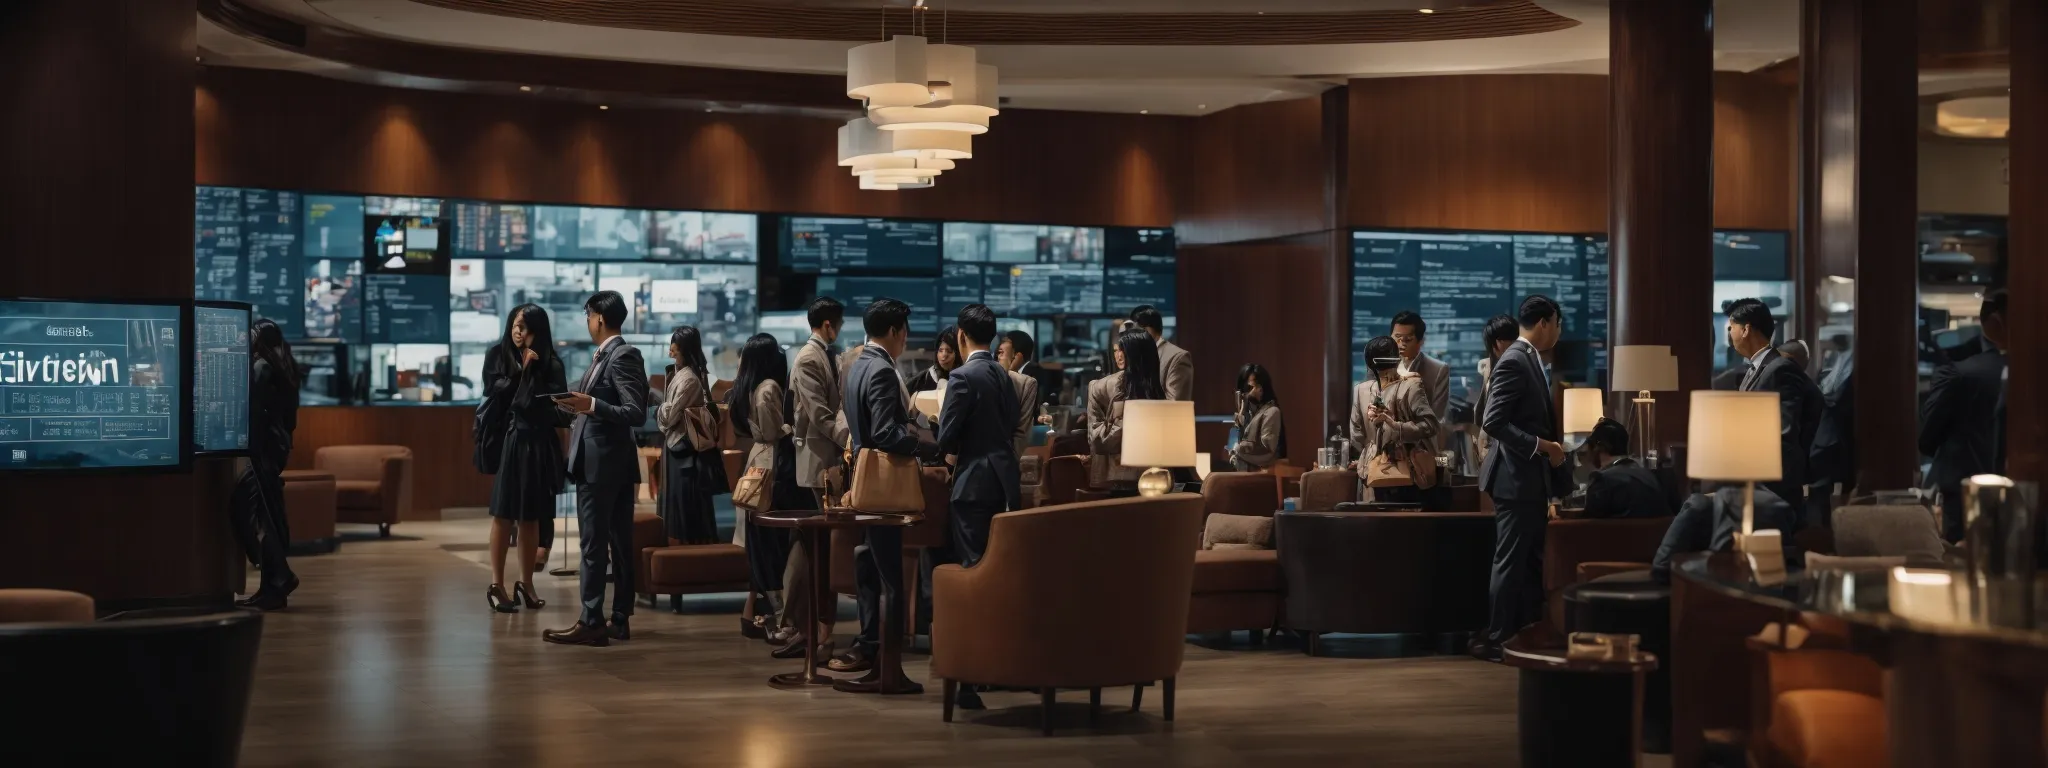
point(263, 601)
point(580, 634)
point(854, 660)
point(1486, 652)
point(968, 699)
point(620, 630)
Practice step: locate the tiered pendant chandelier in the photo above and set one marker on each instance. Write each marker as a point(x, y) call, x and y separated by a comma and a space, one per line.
point(924, 103)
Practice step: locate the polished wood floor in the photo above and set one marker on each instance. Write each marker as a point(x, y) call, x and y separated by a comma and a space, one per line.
point(388, 656)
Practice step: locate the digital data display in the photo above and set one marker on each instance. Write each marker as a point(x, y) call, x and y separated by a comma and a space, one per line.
point(1553, 265)
point(1057, 289)
point(220, 378)
point(411, 373)
point(275, 262)
point(921, 293)
point(88, 385)
point(328, 372)
point(1022, 243)
point(1597, 296)
point(217, 244)
point(828, 246)
point(405, 309)
point(482, 293)
point(410, 245)
point(1455, 280)
point(333, 227)
point(1140, 268)
point(383, 205)
point(703, 236)
point(495, 230)
point(589, 234)
point(333, 300)
point(1750, 255)
point(961, 286)
point(719, 299)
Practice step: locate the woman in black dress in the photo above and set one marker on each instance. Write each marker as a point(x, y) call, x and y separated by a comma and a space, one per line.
point(258, 501)
point(689, 420)
point(532, 473)
point(759, 403)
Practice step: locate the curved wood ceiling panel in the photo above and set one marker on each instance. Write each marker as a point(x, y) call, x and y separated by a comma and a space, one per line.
point(750, 19)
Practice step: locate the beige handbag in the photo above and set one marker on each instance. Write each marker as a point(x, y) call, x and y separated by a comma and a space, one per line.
point(751, 490)
point(884, 483)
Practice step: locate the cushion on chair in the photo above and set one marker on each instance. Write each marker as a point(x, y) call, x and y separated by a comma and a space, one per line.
point(697, 564)
point(1829, 729)
point(1240, 493)
point(1887, 531)
point(1237, 570)
point(1243, 531)
point(44, 605)
point(358, 494)
point(1324, 489)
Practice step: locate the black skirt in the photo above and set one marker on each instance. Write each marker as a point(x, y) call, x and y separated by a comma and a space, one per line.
point(530, 477)
point(693, 477)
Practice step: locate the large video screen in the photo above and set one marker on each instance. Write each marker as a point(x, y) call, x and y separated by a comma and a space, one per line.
point(1455, 280)
point(333, 227)
point(704, 236)
point(220, 377)
point(1751, 255)
point(1139, 269)
point(1022, 243)
point(494, 230)
point(589, 234)
point(333, 300)
point(411, 374)
point(716, 298)
point(817, 245)
point(409, 245)
point(405, 309)
point(921, 293)
point(90, 385)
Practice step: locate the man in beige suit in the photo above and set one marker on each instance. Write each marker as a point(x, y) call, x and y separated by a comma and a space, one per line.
point(1176, 365)
point(1013, 352)
point(820, 434)
point(1408, 331)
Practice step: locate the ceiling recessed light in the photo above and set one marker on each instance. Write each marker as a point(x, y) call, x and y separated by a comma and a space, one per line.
point(1429, 10)
point(527, 88)
point(1201, 106)
point(604, 106)
point(1144, 111)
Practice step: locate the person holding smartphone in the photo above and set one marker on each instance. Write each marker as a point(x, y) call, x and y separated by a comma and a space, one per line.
point(1390, 414)
point(1262, 437)
point(530, 470)
point(604, 460)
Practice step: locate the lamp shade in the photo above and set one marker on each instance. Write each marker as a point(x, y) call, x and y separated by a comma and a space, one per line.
point(1644, 368)
point(891, 73)
point(1159, 433)
point(1583, 407)
point(1733, 436)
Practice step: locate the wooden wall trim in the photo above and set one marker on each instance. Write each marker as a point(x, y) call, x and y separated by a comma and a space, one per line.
point(1257, 171)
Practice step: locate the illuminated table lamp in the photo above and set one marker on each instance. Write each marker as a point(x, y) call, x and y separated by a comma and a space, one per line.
point(1203, 465)
point(1583, 407)
point(1644, 369)
point(1158, 434)
point(1733, 437)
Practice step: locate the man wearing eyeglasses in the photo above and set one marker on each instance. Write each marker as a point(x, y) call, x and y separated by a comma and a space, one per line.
point(1408, 331)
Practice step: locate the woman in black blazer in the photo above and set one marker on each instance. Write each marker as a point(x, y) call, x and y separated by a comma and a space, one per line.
point(258, 501)
point(532, 472)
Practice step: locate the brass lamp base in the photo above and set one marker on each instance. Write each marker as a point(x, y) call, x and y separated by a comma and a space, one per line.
point(1155, 482)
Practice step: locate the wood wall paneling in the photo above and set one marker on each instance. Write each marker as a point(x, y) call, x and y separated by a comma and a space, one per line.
point(1756, 129)
point(109, 133)
point(1256, 171)
point(1262, 306)
point(438, 436)
point(2027, 275)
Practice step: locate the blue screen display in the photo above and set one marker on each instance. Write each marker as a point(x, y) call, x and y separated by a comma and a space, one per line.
point(220, 379)
point(86, 385)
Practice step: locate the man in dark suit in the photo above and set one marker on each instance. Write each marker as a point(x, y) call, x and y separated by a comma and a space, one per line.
point(1750, 326)
point(877, 417)
point(1709, 523)
point(1523, 471)
point(1018, 352)
point(1962, 421)
point(604, 462)
point(1619, 487)
point(976, 425)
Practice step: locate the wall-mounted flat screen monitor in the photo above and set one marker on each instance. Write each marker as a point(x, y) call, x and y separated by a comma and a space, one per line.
point(819, 245)
point(704, 236)
point(88, 385)
point(333, 300)
point(482, 291)
point(1022, 243)
point(1455, 280)
point(217, 256)
point(333, 227)
point(411, 374)
point(1139, 268)
point(408, 245)
point(386, 205)
point(220, 377)
point(330, 372)
point(493, 230)
point(405, 309)
point(1751, 255)
point(716, 298)
point(921, 293)
point(1059, 288)
point(589, 234)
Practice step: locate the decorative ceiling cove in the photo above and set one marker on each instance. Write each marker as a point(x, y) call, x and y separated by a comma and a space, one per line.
point(1453, 20)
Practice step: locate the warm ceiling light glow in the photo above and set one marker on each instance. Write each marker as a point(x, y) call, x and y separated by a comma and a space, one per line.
point(1144, 111)
point(1429, 10)
point(891, 73)
point(604, 106)
point(1980, 117)
point(1201, 106)
point(527, 88)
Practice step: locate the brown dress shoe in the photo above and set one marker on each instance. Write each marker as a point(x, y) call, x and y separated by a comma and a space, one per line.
point(854, 660)
point(580, 634)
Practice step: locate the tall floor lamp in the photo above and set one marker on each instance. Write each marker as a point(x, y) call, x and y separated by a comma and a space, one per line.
point(1733, 437)
point(1644, 369)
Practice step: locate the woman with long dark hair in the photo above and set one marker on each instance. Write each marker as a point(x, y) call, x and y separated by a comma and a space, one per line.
point(689, 429)
point(258, 500)
point(946, 353)
point(760, 406)
point(1262, 437)
point(1138, 357)
point(1390, 414)
point(531, 473)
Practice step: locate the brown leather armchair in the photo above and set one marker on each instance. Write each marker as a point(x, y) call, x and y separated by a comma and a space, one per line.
point(1385, 572)
point(372, 483)
point(1609, 541)
point(1817, 705)
point(1324, 489)
point(1236, 589)
point(1087, 595)
point(1064, 476)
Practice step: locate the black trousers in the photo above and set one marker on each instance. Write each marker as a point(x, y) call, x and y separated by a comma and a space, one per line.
point(970, 523)
point(604, 518)
point(878, 574)
point(1517, 586)
point(257, 511)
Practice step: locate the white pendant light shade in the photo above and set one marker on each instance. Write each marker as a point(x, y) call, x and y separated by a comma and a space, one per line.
point(984, 96)
point(960, 119)
point(890, 73)
point(895, 165)
point(950, 145)
point(859, 139)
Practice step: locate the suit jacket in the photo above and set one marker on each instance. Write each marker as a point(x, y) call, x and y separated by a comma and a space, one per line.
point(1519, 412)
point(1176, 371)
point(978, 423)
point(820, 433)
point(1048, 384)
point(1799, 410)
point(684, 407)
point(1709, 524)
point(1106, 433)
point(1436, 383)
point(1625, 489)
point(1258, 441)
point(601, 445)
point(1960, 420)
point(766, 423)
point(1027, 408)
point(875, 415)
point(1414, 424)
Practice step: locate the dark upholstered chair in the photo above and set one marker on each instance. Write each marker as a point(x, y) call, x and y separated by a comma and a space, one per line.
point(1063, 476)
point(37, 606)
point(1385, 572)
point(1089, 595)
point(1324, 489)
point(372, 483)
point(309, 508)
point(1567, 543)
point(1236, 589)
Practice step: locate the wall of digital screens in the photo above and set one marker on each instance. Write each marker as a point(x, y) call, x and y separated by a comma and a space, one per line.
point(396, 299)
point(1456, 280)
point(220, 377)
point(94, 385)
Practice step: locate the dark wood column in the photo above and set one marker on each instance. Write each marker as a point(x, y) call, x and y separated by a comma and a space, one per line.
point(1858, 199)
point(1661, 203)
point(2027, 271)
point(96, 158)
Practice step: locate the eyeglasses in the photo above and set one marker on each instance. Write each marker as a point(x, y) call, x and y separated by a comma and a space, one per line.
point(1401, 338)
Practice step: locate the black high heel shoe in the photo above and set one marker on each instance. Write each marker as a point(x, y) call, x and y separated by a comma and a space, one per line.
point(498, 601)
point(524, 592)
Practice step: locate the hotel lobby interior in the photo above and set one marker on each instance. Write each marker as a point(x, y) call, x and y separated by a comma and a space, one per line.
point(1772, 261)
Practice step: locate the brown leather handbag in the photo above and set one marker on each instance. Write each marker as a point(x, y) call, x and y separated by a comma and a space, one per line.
point(886, 484)
point(1400, 467)
point(751, 490)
